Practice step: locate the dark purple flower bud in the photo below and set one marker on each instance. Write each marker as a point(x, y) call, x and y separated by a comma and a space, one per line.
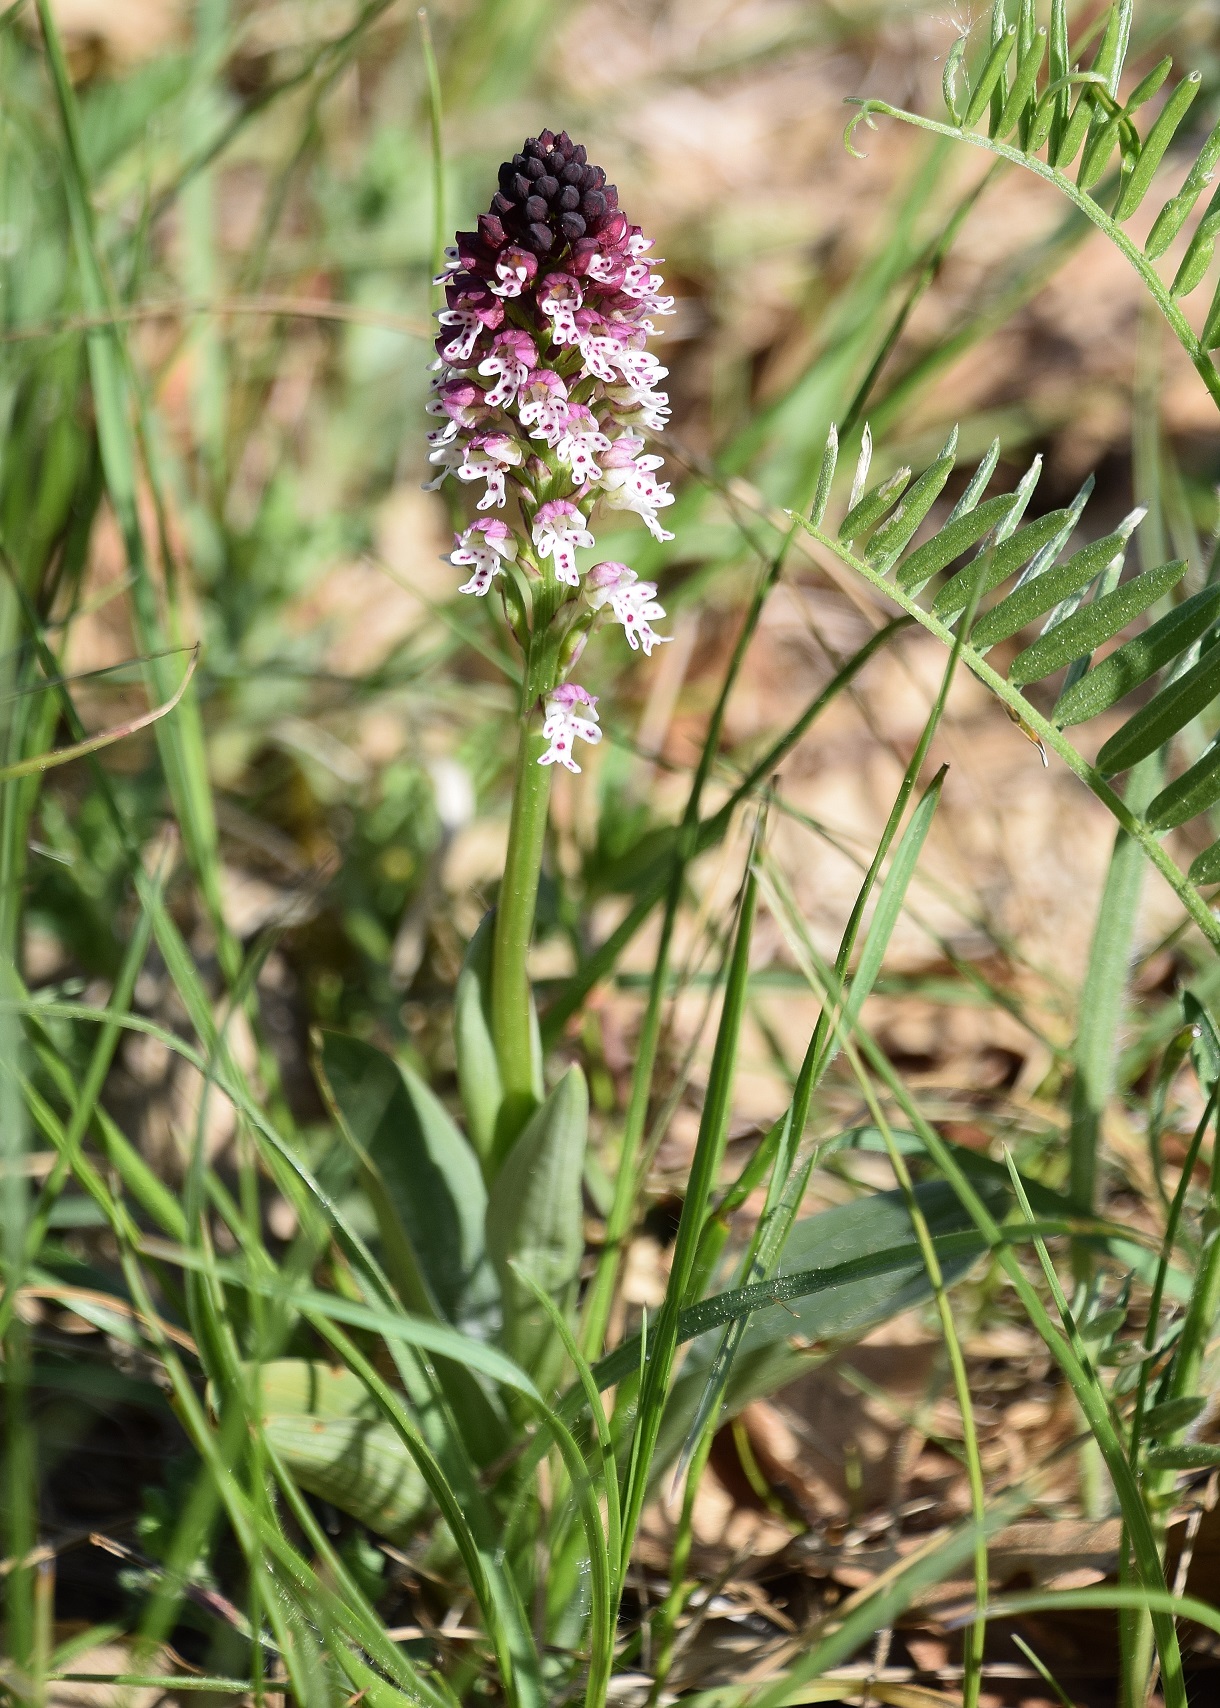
point(572, 226)
point(548, 187)
point(491, 231)
point(614, 231)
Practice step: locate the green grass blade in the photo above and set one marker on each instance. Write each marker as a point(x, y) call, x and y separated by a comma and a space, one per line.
point(705, 1167)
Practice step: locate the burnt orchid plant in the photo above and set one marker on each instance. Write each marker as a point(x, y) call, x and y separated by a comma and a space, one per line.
point(547, 391)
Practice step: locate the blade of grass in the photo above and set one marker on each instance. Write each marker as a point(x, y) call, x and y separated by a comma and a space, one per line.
point(705, 1166)
point(40, 762)
point(1065, 1347)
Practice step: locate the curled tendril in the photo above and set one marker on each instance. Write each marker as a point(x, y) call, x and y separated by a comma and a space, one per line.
point(864, 116)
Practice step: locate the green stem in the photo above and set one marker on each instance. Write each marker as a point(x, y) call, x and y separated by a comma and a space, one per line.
point(512, 1023)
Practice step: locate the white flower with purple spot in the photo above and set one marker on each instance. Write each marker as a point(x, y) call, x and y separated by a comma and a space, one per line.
point(483, 547)
point(489, 456)
point(559, 527)
point(632, 602)
point(559, 297)
point(580, 444)
point(628, 483)
point(542, 405)
point(564, 724)
point(599, 344)
point(515, 271)
point(510, 362)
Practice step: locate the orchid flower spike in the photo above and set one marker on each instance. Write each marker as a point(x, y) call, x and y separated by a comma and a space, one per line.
point(545, 389)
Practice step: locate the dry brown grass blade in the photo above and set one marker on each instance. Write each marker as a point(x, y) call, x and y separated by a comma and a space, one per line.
point(104, 738)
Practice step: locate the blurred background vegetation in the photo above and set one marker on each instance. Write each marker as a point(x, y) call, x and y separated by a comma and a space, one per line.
point(260, 180)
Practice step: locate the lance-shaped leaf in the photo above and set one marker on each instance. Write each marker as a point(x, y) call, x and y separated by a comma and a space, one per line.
point(957, 536)
point(1043, 592)
point(326, 1427)
point(1023, 85)
point(990, 75)
point(893, 536)
point(535, 1222)
point(1138, 659)
point(1173, 215)
point(1158, 140)
point(869, 510)
point(1165, 714)
point(1094, 624)
point(1198, 256)
point(432, 1209)
point(1188, 795)
point(1205, 867)
point(1008, 557)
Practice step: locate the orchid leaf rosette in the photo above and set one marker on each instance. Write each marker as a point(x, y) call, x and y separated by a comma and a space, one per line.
point(545, 390)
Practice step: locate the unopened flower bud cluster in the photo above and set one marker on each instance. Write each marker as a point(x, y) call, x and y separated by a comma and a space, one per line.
point(545, 388)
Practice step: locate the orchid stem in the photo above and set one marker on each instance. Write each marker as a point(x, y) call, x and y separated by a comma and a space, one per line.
point(512, 1025)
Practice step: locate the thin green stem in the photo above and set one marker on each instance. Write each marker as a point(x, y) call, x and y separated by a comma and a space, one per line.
point(438, 151)
point(511, 1002)
point(665, 1626)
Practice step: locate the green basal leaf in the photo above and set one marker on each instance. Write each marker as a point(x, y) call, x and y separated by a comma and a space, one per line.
point(431, 1200)
point(327, 1429)
point(535, 1220)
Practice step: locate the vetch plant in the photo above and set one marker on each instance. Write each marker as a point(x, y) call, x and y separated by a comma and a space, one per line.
point(547, 390)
